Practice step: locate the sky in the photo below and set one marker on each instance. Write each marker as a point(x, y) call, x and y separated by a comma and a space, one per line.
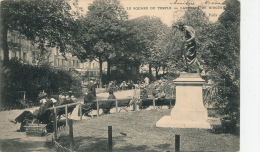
point(167, 10)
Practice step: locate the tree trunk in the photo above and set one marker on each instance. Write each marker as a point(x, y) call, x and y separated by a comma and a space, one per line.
point(156, 72)
point(100, 72)
point(108, 69)
point(5, 43)
point(163, 70)
point(150, 69)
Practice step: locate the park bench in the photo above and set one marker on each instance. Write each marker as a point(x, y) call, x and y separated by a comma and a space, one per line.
point(146, 103)
point(157, 103)
point(86, 109)
point(122, 104)
point(45, 122)
point(119, 104)
point(103, 104)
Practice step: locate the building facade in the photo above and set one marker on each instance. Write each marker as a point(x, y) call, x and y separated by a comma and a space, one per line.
point(28, 53)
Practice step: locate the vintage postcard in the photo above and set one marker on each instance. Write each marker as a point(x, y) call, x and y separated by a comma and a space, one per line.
point(120, 75)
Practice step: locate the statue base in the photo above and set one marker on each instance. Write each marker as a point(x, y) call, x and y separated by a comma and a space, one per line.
point(189, 111)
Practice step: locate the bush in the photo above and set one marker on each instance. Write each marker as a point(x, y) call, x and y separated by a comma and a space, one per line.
point(18, 77)
point(224, 94)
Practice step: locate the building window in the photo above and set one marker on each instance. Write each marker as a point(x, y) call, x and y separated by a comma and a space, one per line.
point(24, 56)
point(58, 61)
point(13, 37)
point(33, 57)
point(14, 54)
point(63, 62)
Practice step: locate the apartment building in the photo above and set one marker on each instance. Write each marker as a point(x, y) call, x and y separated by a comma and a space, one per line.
point(28, 53)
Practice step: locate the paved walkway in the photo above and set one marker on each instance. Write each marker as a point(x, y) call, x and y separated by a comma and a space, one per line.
point(13, 141)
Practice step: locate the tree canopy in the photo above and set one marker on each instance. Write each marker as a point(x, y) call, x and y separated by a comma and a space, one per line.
point(151, 33)
point(47, 23)
point(104, 31)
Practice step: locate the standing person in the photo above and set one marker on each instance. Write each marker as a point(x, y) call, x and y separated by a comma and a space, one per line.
point(146, 81)
point(45, 104)
point(190, 56)
point(92, 87)
point(109, 87)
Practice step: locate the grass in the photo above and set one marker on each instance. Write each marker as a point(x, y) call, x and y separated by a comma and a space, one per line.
point(136, 131)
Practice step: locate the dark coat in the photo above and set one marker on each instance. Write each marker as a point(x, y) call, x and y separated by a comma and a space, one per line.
point(89, 98)
point(92, 87)
point(43, 108)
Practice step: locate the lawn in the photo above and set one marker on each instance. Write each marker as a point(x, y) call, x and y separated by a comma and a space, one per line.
point(136, 131)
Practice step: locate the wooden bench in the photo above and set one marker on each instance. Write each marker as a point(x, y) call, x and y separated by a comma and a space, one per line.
point(123, 104)
point(103, 104)
point(47, 119)
point(157, 103)
point(145, 103)
point(119, 104)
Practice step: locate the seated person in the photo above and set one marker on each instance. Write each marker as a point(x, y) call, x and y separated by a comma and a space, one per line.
point(111, 96)
point(45, 104)
point(88, 102)
point(144, 95)
point(159, 94)
point(123, 85)
point(67, 98)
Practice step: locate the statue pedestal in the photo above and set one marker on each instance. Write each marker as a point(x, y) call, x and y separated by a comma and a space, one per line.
point(189, 111)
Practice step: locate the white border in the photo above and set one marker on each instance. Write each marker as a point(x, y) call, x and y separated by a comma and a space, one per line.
point(250, 76)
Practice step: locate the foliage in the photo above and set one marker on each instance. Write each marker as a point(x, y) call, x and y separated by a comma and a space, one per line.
point(47, 23)
point(18, 77)
point(152, 34)
point(223, 59)
point(104, 31)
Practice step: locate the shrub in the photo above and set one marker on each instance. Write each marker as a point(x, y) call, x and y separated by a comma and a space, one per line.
point(32, 79)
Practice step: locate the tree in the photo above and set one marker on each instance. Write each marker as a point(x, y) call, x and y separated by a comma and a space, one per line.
point(223, 58)
point(47, 23)
point(104, 32)
point(150, 33)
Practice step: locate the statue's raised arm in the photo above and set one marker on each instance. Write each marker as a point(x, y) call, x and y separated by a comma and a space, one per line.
point(190, 54)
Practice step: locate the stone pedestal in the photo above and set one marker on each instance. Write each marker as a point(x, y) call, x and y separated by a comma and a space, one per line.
point(189, 111)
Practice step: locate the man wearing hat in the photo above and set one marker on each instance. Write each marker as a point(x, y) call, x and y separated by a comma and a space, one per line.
point(45, 104)
point(190, 56)
point(88, 103)
point(92, 87)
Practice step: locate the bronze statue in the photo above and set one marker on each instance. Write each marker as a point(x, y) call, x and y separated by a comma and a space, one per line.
point(190, 55)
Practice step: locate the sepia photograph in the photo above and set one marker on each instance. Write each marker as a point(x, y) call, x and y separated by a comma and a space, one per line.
point(120, 75)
